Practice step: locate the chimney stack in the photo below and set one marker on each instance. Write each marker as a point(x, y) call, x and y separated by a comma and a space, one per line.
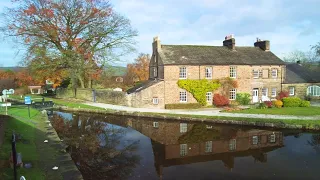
point(264, 45)
point(156, 45)
point(230, 42)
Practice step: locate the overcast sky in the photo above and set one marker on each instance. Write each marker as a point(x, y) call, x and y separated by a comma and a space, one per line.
point(288, 24)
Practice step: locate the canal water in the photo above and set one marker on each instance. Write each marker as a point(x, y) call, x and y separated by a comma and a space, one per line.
point(119, 147)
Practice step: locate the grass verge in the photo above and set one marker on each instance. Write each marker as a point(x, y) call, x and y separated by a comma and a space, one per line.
point(295, 111)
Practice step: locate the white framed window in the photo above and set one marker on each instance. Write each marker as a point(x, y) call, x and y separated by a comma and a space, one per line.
point(183, 73)
point(291, 91)
point(256, 74)
point(313, 90)
point(209, 127)
point(264, 92)
point(183, 127)
point(274, 73)
point(232, 144)
point(255, 140)
point(183, 96)
point(155, 100)
point(208, 146)
point(233, 94)
point(155, 72)
point(274, 92)
point(208, 73)
point(155, 124)
point(183, 149)
point(272, 138)
point(209, 97)
point(233, 71)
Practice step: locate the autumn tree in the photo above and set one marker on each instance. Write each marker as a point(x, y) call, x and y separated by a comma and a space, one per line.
point(139, 69)
point(75, 35)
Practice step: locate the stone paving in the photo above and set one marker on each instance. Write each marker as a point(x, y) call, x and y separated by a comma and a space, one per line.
point(204, 112)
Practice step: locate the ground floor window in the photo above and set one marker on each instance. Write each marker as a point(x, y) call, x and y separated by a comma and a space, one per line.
point(209, 97)
point(208, 146)
point(255, 140)
point(233, 93)
point(264, 91)
point(155, 124)
point(183, 96)
point(291, 91)
point(272, 138)
point(155, 100)
point(232, 144)
point(183, 127)
point(183, 149)
point(313, 91)
point(274, 92)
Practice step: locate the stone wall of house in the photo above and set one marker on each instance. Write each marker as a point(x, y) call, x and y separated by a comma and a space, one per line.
point(144, 98)
point(300, 89)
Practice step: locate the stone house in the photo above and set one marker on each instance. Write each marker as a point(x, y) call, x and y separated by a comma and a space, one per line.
point(256, 69)
point(300, 82)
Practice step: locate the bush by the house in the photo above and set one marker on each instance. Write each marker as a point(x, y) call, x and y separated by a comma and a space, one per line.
point(268, 103)
point(183, 106)
point(243, 98)
point(291, 102)
point(262, 106)
point(278, 103)
point(282, 95)
point(219, 100)
point(305, 104)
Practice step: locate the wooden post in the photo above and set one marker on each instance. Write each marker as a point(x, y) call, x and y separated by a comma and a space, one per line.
point(14, 156)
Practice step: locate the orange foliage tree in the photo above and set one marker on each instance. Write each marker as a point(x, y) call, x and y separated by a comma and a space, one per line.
point(139, 70)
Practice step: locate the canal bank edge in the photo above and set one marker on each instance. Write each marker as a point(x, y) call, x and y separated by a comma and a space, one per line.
point(277, 123)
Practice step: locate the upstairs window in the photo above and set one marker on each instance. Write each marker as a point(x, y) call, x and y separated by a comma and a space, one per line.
point(255, 74)
point(313, 91)
point(232, 144)
point(208, 73)
point(209, 97)
point(233, 71)
point(183, 96)
point(291, 91)
point(274, 73)
point(272, 138)
point(183, 73)
point(155, 74)
point(255, 140)
point(183, 127)
point(183, 149)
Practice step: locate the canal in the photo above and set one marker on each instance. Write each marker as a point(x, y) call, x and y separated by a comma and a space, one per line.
point(120, 147)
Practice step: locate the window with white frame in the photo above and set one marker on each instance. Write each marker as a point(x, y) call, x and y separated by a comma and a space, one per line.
point(255, 140)
point(291, 91)
point(155, 124)
point(209, 97)
point(154, 72)
point(274, 73)
point(183, 96)
point(313, 90)
point(208, 73)
point(183, 73)
point(272, 138)
point(208, 146)
point(155, 100)
point(264, 92)
point(255, 74)
point(232, 144)
point(232, 94)
point(183, 127)
point(274, 92)
point(209, 127)
point(183, 149)
point(233, 71)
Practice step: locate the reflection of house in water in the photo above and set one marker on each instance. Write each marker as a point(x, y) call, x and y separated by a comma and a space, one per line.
point(176, 143)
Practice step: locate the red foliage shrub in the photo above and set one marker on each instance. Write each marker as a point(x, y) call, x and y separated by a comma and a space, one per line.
point(219, 100)
point(268, 103)
point(282, 95)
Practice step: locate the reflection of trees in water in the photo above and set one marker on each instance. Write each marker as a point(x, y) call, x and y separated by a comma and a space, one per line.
point(96, 147)
point(315, 142)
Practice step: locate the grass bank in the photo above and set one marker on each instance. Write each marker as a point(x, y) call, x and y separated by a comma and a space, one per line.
point(295, 111)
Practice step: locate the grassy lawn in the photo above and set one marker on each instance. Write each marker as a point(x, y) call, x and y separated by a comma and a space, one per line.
point(296, 111)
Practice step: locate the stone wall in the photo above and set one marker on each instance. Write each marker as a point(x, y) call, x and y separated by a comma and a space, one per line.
point(300, 89)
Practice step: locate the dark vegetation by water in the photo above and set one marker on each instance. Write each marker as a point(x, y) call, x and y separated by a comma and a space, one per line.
point(120, 147)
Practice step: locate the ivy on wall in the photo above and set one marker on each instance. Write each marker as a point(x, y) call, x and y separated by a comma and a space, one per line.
point(199, 88)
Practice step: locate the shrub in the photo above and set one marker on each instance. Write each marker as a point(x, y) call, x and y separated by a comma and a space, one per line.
point(262, 106)
point(278, 103)
point(305, 104)
point(282, 95)
point(243, 98)
point(291, 102)
point(183, 106)
point(219, 100)
point(268, 103)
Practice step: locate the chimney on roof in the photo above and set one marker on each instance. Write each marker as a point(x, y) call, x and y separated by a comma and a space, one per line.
point(264, 45)
point(156, 45)
point(229, 42)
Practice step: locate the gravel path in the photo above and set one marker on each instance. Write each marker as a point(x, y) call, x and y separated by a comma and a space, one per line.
point(204, 112)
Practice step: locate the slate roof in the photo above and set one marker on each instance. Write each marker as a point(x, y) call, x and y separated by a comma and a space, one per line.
point(216, 55)
point(142, 86)
point(298, 74)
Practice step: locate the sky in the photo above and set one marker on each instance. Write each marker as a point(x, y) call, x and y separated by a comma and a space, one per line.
point(288, 24)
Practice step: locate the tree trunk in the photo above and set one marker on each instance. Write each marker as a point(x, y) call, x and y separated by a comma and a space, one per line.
point(89, 82)
point(81, 82)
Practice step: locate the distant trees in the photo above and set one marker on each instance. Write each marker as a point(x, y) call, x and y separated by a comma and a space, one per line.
point(77, 36)
point(139, 70)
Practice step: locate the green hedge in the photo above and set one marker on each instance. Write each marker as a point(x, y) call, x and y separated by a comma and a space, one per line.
point(305, 104)
point(291, 102)
point(243, 98)
point(183, 106)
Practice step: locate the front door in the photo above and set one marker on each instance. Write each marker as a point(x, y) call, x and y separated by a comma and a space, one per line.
point(255, 95)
